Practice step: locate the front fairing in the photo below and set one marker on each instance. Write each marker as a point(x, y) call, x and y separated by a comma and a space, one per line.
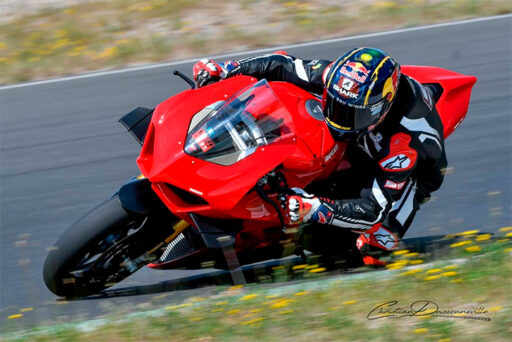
point(212, 186)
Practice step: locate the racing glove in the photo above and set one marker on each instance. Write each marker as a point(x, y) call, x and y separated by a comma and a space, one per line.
point(206, 71)
point(303, 207)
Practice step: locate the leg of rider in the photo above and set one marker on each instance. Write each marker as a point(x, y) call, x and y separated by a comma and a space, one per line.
point(383, 238)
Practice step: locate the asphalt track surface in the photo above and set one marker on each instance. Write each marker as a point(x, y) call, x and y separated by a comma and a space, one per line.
point(62, 152)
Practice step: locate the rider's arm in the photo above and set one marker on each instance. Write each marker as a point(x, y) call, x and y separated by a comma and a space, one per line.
point(306, 74)
point(392, 182)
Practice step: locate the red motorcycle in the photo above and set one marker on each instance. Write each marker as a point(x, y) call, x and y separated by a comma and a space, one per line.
point(214, 162)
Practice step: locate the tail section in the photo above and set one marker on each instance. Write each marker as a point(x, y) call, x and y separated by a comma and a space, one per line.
point(453, 100)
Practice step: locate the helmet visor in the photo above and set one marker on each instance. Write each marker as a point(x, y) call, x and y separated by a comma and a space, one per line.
point(345, 117)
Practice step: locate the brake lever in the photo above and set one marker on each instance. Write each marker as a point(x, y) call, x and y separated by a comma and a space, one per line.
point(185, 78)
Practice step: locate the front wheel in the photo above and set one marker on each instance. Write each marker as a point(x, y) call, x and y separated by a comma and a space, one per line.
point(102, 248)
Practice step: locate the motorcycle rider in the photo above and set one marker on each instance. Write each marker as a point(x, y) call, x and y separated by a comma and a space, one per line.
point(395, 135)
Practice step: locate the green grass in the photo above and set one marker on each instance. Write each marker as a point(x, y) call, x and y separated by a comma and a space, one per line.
point(116, 33)
point(327, 308)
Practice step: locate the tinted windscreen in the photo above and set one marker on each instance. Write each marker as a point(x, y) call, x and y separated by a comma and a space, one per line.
point(252, 118)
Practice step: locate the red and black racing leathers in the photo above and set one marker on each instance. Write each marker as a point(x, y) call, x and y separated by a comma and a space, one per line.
point(406, 150)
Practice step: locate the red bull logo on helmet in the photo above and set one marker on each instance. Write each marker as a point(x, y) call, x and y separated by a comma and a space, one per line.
point(356, 71)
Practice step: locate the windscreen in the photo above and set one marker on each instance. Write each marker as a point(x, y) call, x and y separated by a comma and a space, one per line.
point(252, 118)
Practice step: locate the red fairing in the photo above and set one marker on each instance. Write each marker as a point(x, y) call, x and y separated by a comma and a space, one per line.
point(454, 101)
point(306, 152)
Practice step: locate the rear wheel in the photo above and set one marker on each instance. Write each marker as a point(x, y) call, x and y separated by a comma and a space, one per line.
point(102, 248)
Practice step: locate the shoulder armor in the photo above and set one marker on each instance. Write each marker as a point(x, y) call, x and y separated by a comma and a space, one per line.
point(420, 102)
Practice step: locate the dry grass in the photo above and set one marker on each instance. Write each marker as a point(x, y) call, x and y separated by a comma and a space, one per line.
point(115, 33)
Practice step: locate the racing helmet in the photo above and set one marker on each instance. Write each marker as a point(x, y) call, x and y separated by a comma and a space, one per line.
point(360, 87)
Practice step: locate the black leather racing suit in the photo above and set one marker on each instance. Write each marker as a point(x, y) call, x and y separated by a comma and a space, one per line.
point(405, 152)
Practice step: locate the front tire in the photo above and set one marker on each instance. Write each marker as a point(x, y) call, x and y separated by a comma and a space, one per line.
point(100, 249)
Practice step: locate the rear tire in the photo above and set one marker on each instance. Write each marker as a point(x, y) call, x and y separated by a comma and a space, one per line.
point(87, 258)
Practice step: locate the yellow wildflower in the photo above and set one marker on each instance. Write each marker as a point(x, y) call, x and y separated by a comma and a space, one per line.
point(77, 50)
point(411, 255)
point(461, 243)
point(302, 293)
point(249, 296)
point(434, 270)
point(107, 52)
point(317, 270)
point(15, 316)
point(411, 272)
point(483, 237)
point(469, 232)
point(197, 299)
point(420, 330)
point(402, 262)
point(434, 277)
point(400, 252)
point(384, 4)
point(449, 274)
point(145, 8)
point(349, 302)
point(451, 267)
point(252, 321)
point(416, 262)
point(473, 249)
point(61, 43)
point(496, 308)
point(282, 303)
point(506, 229)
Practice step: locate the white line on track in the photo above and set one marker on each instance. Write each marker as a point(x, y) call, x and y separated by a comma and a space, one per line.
point(252, 52)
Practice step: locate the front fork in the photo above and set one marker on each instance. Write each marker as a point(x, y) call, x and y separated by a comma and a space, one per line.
point(161, 226)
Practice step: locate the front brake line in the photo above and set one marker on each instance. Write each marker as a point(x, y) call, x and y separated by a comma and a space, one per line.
point(264, 196)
